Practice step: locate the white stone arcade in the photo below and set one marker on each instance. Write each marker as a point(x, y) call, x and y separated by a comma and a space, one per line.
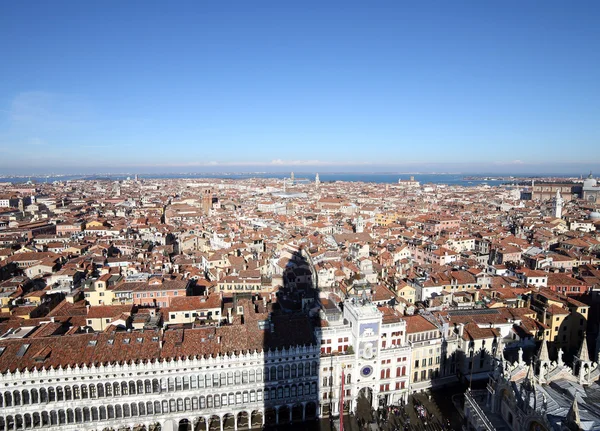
point(225, 392)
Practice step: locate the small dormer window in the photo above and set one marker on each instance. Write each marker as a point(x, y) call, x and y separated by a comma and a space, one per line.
point(126, 340)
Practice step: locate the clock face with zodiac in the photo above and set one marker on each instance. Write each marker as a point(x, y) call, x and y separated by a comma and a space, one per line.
point(366, 371)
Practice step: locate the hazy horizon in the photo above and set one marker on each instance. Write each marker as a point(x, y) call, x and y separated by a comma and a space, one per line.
point(430, 169)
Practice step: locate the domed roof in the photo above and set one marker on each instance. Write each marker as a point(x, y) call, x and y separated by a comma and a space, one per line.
point(590, 181)
point(594, 215)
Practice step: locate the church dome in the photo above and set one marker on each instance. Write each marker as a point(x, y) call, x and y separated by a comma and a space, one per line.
point(594, 215)
point(590, 181)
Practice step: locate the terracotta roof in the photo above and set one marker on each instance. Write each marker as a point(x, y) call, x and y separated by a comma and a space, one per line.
point(418, 323)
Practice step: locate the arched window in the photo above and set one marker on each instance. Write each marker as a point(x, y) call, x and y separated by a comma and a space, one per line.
point(60, 394)
point(43, 395)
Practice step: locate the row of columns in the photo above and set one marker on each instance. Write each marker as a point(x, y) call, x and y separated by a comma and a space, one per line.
point(207, 419)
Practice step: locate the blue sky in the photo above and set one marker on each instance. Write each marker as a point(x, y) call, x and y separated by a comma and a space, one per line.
point(191, 86)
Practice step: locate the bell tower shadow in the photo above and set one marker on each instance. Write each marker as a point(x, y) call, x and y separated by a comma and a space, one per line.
point(291, 353)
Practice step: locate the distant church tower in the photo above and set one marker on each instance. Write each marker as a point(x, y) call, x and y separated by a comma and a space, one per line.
point(558, 205)
point(207, 196)
point(360, 225)
point(117, 189)
point(317, 181)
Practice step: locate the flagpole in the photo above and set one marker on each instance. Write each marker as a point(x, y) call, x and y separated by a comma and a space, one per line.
point(342, 403)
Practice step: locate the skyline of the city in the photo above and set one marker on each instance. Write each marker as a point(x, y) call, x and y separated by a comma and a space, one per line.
point(516, 169)
point(488, 88)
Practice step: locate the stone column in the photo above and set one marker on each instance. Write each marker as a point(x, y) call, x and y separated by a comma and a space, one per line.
point(303, 412)
point(221, 422)
point(207, 422)
point(235, 424)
